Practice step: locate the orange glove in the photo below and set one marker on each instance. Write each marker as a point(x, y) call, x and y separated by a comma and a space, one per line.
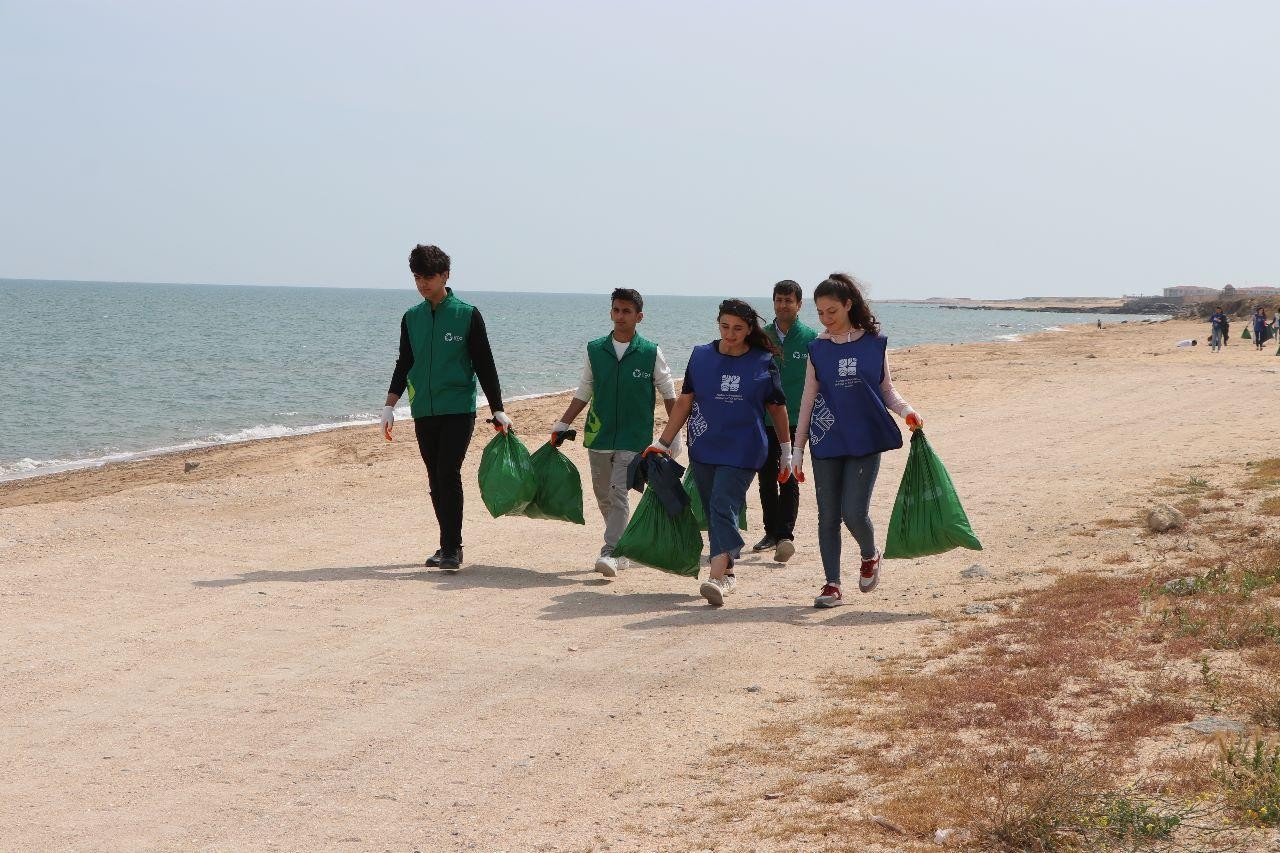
point(914, 422)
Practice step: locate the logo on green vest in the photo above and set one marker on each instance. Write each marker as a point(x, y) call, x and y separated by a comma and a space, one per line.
point(450, 337)
point(640, 374)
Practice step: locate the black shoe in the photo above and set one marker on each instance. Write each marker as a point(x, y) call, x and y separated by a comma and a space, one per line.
point(451, 561)
point(433, 562)
point(764, 544)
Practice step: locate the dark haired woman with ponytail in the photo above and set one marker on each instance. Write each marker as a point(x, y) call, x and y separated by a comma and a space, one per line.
point(844, 414)
point(730, 385)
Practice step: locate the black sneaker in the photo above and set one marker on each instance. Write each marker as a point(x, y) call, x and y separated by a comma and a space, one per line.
point(451, 561)
point(764, 544)
point(433, 562)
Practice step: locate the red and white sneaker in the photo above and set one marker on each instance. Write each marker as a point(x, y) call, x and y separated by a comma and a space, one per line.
point(870, 574)
point(829, 597)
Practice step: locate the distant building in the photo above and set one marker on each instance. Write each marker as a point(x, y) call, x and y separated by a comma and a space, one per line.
point(1258, 291)
point(1191, 292)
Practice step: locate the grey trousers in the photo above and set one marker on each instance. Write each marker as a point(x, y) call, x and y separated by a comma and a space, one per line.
point(609, 479)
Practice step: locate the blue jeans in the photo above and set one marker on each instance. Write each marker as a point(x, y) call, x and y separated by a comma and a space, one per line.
point(723, 490)
point(843, 487)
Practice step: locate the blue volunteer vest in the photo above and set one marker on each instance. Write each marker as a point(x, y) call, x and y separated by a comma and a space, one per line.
point(725, 427)
point(849, 415)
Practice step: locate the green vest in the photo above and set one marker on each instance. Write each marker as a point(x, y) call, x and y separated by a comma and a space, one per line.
point(793, 365)
point(622, 395)
point(442, 380)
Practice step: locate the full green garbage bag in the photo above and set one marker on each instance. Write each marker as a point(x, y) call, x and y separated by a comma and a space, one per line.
point(695, 502)
point(927, 515)
point(1246, 334)
point(559, 494)
point(507, 483)
point(668, 542)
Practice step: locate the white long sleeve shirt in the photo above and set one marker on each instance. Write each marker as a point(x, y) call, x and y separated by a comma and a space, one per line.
point(663, 382)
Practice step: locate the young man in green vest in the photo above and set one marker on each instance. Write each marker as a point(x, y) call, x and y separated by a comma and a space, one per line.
point(621, 378)
point(780, 502)
point(444, 348)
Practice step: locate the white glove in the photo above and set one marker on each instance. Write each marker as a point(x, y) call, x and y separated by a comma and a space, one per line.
point(796, 465)
point(677, 447)
point(658, 447)
point(388, 418)
point(501, 422)
point(784, 462)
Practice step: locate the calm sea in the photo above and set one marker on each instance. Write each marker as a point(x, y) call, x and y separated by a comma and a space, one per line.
point(94, 372)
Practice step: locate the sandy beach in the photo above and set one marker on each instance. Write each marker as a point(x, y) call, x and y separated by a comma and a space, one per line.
point(250, 654)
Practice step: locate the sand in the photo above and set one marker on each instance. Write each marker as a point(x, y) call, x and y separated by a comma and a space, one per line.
point(251, 655)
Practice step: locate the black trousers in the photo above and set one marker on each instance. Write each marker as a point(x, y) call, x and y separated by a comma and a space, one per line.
point(442, 441)
point(780, 502)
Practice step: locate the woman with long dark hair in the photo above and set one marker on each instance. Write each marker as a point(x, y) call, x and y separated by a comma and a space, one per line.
point(844, 417)
point(729, 387)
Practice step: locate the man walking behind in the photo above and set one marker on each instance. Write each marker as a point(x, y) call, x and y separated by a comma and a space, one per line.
point(444, 348)
point(621, 377)
point(780, 502)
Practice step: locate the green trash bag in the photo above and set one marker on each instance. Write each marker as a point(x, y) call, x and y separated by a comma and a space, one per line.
point(695, 502)
point(507, 483)
point(654, 538)
point(1246, 334)
point(559, 495)
point(927, 515)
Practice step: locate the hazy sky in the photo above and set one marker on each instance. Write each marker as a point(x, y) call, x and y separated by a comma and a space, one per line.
point(932, 148)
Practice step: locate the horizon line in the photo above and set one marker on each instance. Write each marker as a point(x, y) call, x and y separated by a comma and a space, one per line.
point(475, 290)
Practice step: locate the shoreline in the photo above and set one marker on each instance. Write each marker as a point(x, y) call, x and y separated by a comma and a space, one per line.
point(195, 446)
point(124, 458)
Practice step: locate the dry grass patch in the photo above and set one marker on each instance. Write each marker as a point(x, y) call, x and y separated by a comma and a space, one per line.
point(1049, 728)
point(1270, 506)
point(1264, 474)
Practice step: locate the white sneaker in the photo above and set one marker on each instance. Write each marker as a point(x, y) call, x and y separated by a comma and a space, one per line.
point(785, 551)
point(729, 583)
point(869, 575)
point(712, 591)
point(607, 566)
point(829, 597)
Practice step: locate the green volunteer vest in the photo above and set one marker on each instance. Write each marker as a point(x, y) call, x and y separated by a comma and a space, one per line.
point(622, 395)
point(442, 380)
point(793, 364)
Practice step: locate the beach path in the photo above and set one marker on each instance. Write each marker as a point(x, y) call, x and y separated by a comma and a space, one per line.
point(251, 654)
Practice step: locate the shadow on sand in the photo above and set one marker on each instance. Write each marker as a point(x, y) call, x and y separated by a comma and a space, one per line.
point(471, 577)
point(674, 610)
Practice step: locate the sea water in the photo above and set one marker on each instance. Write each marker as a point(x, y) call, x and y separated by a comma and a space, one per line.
point(95, 372)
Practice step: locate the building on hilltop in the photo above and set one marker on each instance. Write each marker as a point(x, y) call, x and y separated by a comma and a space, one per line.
point(1191, 292)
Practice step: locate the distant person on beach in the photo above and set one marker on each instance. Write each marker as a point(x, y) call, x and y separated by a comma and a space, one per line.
point(1259, 328)
point(1217, 329)
point(844, 415)
point(780, 502)
point(444, 348)
point(622, 375)
point(730, 387)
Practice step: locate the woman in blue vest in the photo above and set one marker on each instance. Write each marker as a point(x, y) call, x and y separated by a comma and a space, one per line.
point(1259, 328)
point(729, 386)
point(844, 416)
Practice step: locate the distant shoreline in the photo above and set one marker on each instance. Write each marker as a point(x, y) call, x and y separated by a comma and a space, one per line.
point(1050, 304)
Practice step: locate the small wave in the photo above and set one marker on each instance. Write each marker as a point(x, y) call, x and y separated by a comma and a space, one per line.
point(28, 467)
point(1054, 329)
point(1013, 339)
